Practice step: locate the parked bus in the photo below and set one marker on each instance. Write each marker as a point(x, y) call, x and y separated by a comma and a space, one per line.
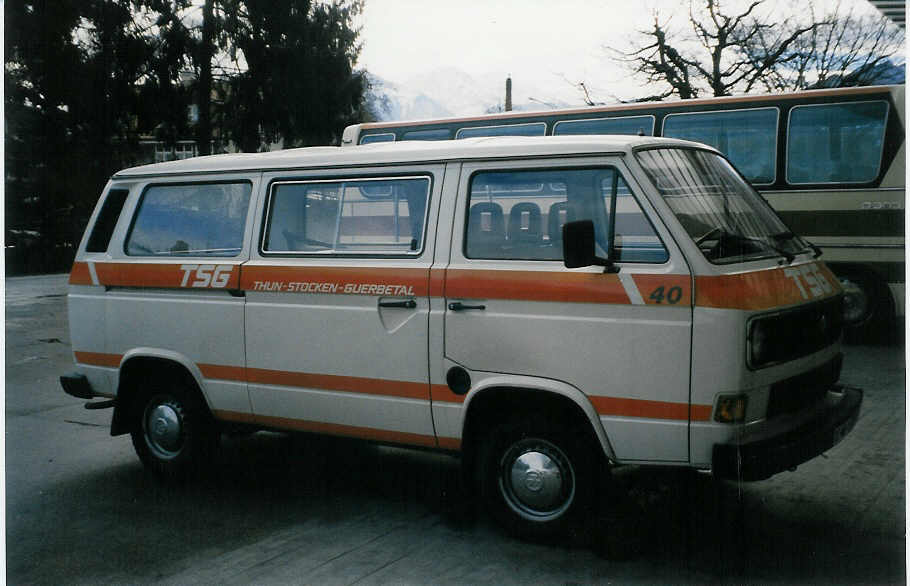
point(831, 162)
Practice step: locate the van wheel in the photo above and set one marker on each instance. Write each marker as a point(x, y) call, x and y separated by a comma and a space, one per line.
point(171, 430)
point(535, 478)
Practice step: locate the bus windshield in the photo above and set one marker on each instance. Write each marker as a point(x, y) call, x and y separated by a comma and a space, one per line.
point(724, 215)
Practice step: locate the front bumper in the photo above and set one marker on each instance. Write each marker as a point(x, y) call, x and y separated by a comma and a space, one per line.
point(757, 460)
point(77, 385)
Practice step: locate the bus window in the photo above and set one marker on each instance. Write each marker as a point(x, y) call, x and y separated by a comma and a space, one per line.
point(747, 137)
point(836, 143)
point(433, 134)
point(532, 129)
point(384, 137)
point(634, 125)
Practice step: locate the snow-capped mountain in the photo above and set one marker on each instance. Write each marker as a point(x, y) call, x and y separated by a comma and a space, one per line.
point(449, 92)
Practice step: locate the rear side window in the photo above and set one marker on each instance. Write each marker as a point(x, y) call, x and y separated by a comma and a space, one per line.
point(747, 137)
point(836, 143)
point(519, 215)
point(365, 216)
point(199, 219)
point(100, 237)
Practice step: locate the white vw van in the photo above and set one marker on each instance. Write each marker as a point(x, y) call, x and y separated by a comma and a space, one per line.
point(540, 306)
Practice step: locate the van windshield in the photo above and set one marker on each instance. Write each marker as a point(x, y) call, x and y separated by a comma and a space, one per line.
point(724, 215)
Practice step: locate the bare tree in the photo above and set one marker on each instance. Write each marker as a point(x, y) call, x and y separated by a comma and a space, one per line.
point(721, 53)
point(844, 50)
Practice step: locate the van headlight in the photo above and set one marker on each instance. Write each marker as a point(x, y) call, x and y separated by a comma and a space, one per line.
point(759, 343)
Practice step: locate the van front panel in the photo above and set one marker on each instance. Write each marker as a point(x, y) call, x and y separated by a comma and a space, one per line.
point(620, 340)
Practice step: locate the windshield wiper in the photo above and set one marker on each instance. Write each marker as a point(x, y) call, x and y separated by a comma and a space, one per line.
point(788, 235)
point(722, 236)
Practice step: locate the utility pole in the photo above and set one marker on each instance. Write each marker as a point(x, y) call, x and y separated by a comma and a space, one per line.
point(204, 87)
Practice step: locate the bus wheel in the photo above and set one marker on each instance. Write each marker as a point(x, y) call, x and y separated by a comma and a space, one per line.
point(866, 307)
point(536, 479)
point(171, 430)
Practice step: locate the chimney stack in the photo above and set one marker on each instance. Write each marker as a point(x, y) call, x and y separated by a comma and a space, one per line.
point(509, 93)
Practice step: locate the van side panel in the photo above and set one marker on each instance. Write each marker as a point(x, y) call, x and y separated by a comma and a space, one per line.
point(175, 303)
point(337, 338)
point(616, 338)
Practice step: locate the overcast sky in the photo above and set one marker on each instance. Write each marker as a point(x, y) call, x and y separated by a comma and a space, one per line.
point(540, 42)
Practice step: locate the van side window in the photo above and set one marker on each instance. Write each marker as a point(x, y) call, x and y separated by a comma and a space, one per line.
point(107, 221)
point(747, 137)
point(836, 143)
point(519, 215)
point(199, 219)
point(368, 216)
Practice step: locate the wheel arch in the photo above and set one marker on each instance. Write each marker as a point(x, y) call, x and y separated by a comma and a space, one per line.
point(150, 362)
point(496, 398)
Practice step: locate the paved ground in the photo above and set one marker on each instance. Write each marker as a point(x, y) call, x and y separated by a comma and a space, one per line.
point(278, 509)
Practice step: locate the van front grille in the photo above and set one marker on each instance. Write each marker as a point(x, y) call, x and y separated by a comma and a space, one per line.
point(798, 332)
point(805, 389)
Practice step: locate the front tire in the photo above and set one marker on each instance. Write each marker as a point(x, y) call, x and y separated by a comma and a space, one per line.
point(536, 479)
point(171, 430)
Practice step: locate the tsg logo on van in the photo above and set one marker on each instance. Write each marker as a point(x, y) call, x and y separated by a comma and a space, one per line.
point(216, 276)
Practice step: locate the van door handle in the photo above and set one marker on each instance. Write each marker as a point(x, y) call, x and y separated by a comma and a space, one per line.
point(459, 306)
point(409, 304)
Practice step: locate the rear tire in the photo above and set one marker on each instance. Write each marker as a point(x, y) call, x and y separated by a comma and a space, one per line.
point(535, 478)
point(171, 430)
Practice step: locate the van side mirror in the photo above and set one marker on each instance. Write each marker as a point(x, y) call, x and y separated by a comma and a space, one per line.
point(578, 246)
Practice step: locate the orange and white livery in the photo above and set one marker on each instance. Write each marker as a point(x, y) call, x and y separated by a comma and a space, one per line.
point(538, 306)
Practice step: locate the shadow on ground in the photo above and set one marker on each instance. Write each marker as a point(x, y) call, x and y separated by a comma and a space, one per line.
point(681, 521)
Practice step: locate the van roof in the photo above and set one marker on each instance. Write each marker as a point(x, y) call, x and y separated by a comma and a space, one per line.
point(403, 152)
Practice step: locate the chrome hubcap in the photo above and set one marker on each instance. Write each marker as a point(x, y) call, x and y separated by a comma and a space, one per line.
point(163, 428)
point(537, 480)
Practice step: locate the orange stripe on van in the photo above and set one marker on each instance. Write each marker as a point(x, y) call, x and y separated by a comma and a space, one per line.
point(759, 289)
point(407, 389)
point(443, 394)
point(350, 384)
point(535, 286)
point(437, 282)
point(80, 274)
point(221, 372)
point(664, 289)
point(98, 358)
point(382, 435)
point(449, 443)
point(649, 409)
point(284, 275)
point(164, 275)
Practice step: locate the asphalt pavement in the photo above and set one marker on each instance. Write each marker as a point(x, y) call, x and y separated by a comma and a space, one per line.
point(281, 509)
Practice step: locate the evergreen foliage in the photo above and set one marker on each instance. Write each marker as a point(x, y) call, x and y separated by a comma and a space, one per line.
point(86, 81)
